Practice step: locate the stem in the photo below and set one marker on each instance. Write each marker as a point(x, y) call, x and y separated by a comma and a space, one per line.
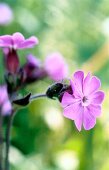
point(8, 132)
point(86, 162)
point(37, 96)
point(1, 143)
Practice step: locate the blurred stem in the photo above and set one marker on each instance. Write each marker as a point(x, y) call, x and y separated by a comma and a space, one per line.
point(86, 161)
point(8, 134)
point(37, 96)
point(89, 150)
point(1, 142)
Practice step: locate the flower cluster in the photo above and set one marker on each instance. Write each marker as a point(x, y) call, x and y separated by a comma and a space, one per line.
point(17, 75)
point(81, 99)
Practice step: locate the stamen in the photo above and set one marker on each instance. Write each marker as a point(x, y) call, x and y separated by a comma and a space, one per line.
point(84, 99)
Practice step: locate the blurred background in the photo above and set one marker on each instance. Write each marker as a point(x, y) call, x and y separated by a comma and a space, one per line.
point(42, 139)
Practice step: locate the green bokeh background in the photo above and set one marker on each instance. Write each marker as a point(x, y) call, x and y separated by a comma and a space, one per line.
point(42, 139)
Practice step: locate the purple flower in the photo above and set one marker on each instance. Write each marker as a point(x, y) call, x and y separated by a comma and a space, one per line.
point(6, 14)
point(5, 105)
point(84, 104)
point(33, 61)
point(56, 67)
point(33, 70)
point(17, 41)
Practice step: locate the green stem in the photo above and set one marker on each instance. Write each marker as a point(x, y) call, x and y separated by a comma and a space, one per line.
point(37, 96)
point(86, 161)
point(8, 133)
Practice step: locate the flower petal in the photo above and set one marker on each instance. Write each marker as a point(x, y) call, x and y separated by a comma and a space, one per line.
point(67, 99)
point(56, 67)
point(92, 86)
point(6, 108)
point(33, 61)
point(17, 39)
point(78, 79)
point(97, 98)
point(89, 120)
point(95, 110)
point(77, 84)
point(86, 83)
point(79, 119)
point(72, 111)
point(5, 41)
point(29, 43)
point(3, 94)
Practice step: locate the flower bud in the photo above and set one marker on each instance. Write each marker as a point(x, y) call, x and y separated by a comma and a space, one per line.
point(56, 90)
point(11, 60)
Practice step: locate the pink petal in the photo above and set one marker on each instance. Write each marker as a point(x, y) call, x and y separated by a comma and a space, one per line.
point(86, 83)
point(56, 66)
point(92, 86)
point(89, 120)
point(73, 111)
point(6, 41)
point(78, 79)
point(95, 110)
point(29, 43)
point(3, 94)
point(97, 98)
point(68, 99)
point(6, 14)
point(17, 39)
point(6, 108)
point(31, 59)
point(79, 119)
point(77, 84)
point(75, 90)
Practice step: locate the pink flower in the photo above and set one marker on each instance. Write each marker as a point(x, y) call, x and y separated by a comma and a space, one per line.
point(5, 105)
point(56, 67)
point(33, 70)
point(6, 14)
point(17, 41)
point(84, 105)
point(33, 61)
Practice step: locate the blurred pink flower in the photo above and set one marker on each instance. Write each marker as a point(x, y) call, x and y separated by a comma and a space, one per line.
point(56, 66)
point(33, 70)
point(17, 41)
point(6, 14)
point(33, 61)
point(5, 105)
point(84, 105)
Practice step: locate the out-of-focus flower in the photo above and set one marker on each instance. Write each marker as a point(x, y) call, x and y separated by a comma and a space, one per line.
point(33, 70)
point(17, 41)
point(56, 66)
point(6, 14)
point(5, 105)
point(33, 61)
point(84, 105)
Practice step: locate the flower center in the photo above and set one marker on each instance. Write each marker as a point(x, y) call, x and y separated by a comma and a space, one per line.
point(85, 101)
